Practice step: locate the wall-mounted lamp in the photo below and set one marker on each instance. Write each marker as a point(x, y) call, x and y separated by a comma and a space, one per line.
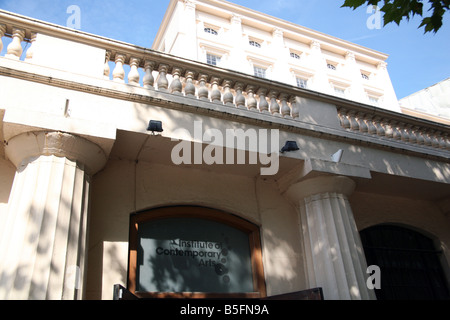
point(337, 156)
point(155, 126)
point(289, 146)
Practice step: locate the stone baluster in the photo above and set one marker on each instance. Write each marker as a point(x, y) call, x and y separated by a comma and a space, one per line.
point(240, 99)
point(342, 113)
point(404, 136)
point(420, 139)
point(133, 75)
point(2, 33)
point(441, 140)
point(252, 104)
point(361, 123)
point(395, 132)
point(354, 125)
point(371, 129)
point(263, 104)
point(216, 95)
point(434, 139)
point(426, 137)
point(30, 51)
point(14, 50)
point(378, 126)
point(295, 108)
point(285, 109)
point(148, 79)
point(203, 92)
point(227, 96)
point(176, 87)
point(411, 135)
point(274, 107)
point(389, 133)
point(106, 68)
point(119, 72)
point(446, 141)
point(162, 82)
point(189, 88)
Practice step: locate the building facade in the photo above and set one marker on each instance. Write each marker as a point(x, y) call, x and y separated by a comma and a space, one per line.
point(234, 37)
point(174, 177)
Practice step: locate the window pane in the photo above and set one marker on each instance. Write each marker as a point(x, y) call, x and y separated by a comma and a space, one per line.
point(212, 59)
point(259, 72)
point(302, 83)
point(254, 44)
point(193, 255)
point(211, 31)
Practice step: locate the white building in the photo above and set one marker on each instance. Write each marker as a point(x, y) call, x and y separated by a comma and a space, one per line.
point(91, 196)
point(431, 103)
point(234, 37)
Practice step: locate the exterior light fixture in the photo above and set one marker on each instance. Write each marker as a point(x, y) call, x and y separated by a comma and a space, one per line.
point(337, 156)
point(289, 146)
point(155, 126)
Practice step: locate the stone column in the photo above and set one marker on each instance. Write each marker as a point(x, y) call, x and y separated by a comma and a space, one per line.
point(43, 248)
point(333, 249)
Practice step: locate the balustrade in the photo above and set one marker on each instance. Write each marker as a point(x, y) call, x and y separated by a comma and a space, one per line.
point(156, 71)
point(391, 129)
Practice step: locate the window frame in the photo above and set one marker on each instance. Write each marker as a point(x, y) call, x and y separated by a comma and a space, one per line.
point(211, 30)
point(249, 228)
point(217, 59)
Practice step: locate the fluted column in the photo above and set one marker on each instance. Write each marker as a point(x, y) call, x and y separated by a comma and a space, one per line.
point(334, 253)
point(43, 248)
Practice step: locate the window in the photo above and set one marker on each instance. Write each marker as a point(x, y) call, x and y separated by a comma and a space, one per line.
point(194, 252)
point(365, 76)
point(212, 59)
point(254, 43)
point(331, 66)
point(211, 31)
point(295, 55)
point(373, 100)
point(259, 72)
point(409, 263)
point(339, 91)
point(302, 83)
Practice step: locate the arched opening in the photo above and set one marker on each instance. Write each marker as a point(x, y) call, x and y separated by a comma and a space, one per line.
point(409, 261)
point(194, 252)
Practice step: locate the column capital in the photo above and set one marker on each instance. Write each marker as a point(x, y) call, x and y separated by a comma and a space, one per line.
point(24, 148)
point(321, 185)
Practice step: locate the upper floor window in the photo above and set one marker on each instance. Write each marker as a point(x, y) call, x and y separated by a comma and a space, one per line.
point(365, 76)
point(211, 31)
point(374, 100)
point(331, 66)
point(212, 59)
point(340, 92)
point(254, 43)
point(302, 83)
point(295, 55)
point(259, 72)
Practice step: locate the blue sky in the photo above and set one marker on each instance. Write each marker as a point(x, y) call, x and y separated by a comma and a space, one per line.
point(416, 60)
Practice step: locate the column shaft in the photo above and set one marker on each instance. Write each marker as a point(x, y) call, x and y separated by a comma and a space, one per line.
point(42, 249)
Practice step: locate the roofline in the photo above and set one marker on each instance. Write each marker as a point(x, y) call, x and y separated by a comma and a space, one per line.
point(276, 22)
